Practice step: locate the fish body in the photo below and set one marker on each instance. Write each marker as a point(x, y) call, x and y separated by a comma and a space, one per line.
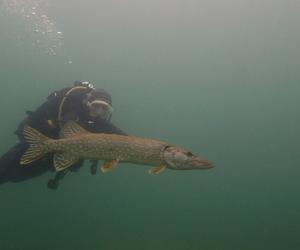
point(77, 144)
point(110, 146)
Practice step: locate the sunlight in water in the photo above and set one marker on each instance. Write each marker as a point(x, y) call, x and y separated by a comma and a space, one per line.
point(42, 30)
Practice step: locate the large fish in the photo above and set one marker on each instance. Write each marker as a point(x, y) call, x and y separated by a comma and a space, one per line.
point(77, 144)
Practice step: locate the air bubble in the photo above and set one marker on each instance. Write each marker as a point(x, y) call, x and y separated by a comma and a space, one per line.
point(42, 31)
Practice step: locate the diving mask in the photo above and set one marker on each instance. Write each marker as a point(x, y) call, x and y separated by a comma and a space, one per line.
point(100, 109)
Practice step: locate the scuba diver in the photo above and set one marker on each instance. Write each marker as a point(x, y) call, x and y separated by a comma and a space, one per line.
point(83, 103)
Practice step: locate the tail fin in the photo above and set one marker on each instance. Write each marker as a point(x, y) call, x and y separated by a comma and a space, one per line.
point(37, 147)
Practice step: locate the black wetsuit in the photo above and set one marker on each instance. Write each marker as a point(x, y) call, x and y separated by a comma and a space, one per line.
point(45, 120)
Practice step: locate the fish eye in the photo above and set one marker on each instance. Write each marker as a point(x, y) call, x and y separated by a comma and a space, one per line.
point(189, 154)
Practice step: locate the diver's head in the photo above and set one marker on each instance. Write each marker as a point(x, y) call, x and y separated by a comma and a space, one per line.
point(99, 104)
point(181, 159)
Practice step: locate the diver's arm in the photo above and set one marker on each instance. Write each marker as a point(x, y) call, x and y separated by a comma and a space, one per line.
point(101, 126)
point(112, 129)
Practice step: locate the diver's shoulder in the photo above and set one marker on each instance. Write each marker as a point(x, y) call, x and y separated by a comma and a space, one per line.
point(58, 94)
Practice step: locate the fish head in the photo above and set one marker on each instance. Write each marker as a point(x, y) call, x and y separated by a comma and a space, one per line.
point(181, 159)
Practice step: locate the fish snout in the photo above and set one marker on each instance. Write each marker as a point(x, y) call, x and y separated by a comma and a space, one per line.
point(181, 159)
point(202, 163)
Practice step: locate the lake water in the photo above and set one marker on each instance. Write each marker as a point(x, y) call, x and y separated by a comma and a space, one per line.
point(221, 78)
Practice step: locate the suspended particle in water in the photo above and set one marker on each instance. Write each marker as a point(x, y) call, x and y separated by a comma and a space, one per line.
point(59, 34)
point(52, 52)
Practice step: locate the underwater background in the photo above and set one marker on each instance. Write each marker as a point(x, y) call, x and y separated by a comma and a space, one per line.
point(220, 78)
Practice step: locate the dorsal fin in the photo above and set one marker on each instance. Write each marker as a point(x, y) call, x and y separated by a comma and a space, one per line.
point(70, 129)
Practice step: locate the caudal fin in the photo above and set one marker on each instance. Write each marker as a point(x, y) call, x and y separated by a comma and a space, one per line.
point(37, 147)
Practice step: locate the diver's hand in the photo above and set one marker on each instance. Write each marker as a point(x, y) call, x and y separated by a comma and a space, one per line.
point(54, 183)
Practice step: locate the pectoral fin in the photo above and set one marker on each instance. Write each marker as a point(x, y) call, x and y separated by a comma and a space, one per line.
point(109, 165)
point(63, 161)
point(158, 170)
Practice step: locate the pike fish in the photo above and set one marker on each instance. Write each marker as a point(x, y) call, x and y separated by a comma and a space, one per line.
point(78, 144)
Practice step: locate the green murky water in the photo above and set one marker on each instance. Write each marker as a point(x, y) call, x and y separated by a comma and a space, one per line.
point(219, 77)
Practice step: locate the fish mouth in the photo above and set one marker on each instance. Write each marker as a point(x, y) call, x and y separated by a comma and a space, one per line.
point(202, 164)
